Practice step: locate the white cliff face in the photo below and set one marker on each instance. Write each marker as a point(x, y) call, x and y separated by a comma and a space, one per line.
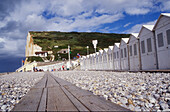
point(36, 49)
point(30, 47)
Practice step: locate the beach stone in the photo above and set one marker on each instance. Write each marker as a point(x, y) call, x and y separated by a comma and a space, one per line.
point(152, 99)
point(106, 97)
point(12, 87)
point(13, 101)
point(168, 103)
point(137, 108)
point(163, 105)
point(131, 107)
point(123, 100)
point(4, 107)
point(137, 88)
point(130, 102)
point(168, 89)
point(156, 96)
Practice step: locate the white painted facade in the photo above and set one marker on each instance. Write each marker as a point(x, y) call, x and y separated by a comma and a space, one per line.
point(94, 61)
point(147, 48)
point(116, 51)
point(88, 62)
point(97, 60)
point(91, 61)
point(134, 54)
point(100, 59)
point(124, 57)
point(105, 59)
point(110, 58)
point(83, 63)
point(162, 35)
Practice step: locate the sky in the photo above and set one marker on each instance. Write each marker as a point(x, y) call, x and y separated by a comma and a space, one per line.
point(17, 17)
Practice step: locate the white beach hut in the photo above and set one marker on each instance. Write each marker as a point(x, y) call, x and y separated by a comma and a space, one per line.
point(147, 48)
point(100, 59)
point(83, 64)
point(110, 58)
point(116, 54)
point(91, 62)
point(94, 61)
point(97, 60)
point(162, 35)
point(105, 59)
point(87, 62)
point(134, 54)
point(124, 57)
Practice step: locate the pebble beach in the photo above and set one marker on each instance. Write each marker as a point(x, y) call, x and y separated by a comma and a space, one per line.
point(14, 86)
point(135, 91)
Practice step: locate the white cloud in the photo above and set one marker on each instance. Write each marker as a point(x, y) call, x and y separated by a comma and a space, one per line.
point(69, 15)
point(133, 11)
point(136, 28)
point(2, 40)
point(164, 5)
point(12, 47)
point(126, 25)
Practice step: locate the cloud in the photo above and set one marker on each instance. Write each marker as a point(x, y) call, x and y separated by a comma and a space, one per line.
point(17, 17)
point(163, 5)
point(136, 28)
point(10, 26)
point(126, 25)
point(133, 11)
point(12, 47)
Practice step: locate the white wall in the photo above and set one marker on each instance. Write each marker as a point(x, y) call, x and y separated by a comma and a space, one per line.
point(117, 59)
point(110, 59)
point(163, 51)
point(101, 60)
point(134, 59)
point(124, 60)
point(148, 59)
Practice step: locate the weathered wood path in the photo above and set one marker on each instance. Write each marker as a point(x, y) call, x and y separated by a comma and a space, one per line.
point(55, 94)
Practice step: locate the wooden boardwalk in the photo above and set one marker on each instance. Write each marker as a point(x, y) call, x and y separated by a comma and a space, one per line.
point(55, 94)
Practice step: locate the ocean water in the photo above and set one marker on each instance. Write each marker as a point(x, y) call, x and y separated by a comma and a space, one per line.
point(10, 64)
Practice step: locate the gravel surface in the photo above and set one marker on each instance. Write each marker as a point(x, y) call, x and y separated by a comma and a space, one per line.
point(14, 86)
point(135, 91)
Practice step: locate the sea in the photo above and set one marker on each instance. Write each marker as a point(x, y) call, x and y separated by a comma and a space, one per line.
point(10, 64)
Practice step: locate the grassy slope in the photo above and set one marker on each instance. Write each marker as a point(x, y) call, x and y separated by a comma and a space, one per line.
point(77, 40)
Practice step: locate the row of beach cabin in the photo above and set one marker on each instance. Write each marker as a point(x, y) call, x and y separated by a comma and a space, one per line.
point(147, 50)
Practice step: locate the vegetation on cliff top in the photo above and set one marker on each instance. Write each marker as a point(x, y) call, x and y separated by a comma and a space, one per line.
point(77, 40)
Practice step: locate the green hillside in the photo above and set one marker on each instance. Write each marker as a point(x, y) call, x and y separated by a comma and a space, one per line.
point(77, 41)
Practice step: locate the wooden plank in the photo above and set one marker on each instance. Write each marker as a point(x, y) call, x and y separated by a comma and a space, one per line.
point(41, 83)
point(51, 82)
point(58, 101)
point(78, 105)
point(78, 92)
point(42, 104)
point(51, 95)
point(61, 81)
point(92, 102)
point(30, 101)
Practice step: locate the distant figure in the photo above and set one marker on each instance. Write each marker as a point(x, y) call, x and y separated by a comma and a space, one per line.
point(34, 68)
point(63, 67)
